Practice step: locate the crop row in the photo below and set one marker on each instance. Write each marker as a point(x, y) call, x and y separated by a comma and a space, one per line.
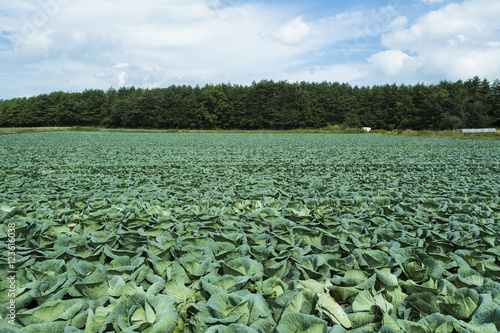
point(252, 233)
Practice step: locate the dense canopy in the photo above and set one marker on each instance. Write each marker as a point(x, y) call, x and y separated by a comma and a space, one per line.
point(204, 232)
point(266, 105)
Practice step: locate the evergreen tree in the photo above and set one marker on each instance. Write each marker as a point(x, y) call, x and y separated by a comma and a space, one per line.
point(266, 104)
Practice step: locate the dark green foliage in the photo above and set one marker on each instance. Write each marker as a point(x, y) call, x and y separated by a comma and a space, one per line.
point(266, 232)
point(266, 105)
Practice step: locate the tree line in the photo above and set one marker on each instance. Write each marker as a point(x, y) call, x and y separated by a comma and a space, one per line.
point(473, 103)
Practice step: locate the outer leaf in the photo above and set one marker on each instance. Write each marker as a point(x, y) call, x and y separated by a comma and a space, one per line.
point(438, 322)
point(300, 322)
point(384, 275)
point(46, 327)
point(327, 305)
point(486, 317)
point(462, 304)
point(463, 327)
point(470, 278)
point(297, 302)
point(139, 316)
point(363, 302)
point(409, 326)
point(48, 312)
point(178, 290)
point(359, 319)
point(233, 328)
point(166, 315)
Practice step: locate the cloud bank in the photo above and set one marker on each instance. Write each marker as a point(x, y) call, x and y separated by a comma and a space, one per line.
point(73, 45)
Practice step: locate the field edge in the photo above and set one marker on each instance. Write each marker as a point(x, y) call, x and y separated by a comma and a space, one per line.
point(444, 134)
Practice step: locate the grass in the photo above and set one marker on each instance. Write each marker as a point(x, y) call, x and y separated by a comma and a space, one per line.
point(453, 134)
point(19, 130)
point(336, 129)
point(445, 134)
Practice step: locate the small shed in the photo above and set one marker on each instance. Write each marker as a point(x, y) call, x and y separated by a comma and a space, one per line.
point(478, 130)
point(368, 129)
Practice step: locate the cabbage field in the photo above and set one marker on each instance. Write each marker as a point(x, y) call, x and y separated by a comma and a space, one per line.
point(259, 232)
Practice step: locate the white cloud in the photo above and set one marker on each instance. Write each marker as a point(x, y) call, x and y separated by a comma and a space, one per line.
point(398, 23)
point(293, 32)
point(476, 19)
point(121, 78)
point(449, 43)
point(340, 73)
point(73, 45)
point(356, 24)
point(431, 1)
point(121, 65)
point(175, 41)
point(457, 40)
point(392, 63)
point(493, 44)
point(180, 39)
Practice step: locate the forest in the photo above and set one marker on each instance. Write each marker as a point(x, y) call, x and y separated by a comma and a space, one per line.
point(474, 103)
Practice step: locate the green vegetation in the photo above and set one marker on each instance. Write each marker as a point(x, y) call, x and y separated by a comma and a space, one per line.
point(266, 105)
point(17, 130)
point(262, 232)
point(448, 134)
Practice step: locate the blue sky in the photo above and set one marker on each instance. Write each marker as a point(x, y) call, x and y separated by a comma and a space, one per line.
point(72, 45)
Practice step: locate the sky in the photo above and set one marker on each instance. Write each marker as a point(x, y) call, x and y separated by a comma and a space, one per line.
point(73, 45)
